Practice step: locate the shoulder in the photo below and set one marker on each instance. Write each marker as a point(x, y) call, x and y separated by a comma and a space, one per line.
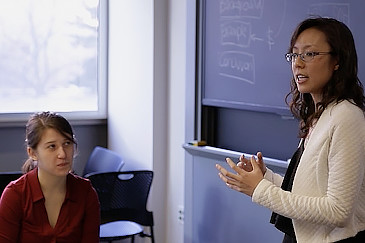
point(18, 184)
point(80, 187)
point(14, 191)
point(345, 111)
point(78, 182)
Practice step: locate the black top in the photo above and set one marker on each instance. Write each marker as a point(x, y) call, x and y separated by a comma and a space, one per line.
point(282, 223)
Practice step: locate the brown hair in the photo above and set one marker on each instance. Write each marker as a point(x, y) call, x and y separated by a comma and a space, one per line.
point(344, 83)
point(35, 128)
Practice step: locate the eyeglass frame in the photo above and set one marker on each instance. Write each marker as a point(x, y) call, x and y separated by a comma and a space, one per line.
point(292, 57)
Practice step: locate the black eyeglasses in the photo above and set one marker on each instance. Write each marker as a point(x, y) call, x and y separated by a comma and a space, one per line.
point(305, 57)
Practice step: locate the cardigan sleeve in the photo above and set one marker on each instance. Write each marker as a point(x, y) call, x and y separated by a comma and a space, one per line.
point(333, 200)
point(273, 177)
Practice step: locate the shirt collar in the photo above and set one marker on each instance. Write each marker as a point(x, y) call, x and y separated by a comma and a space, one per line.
point(35, 187)
point(71, 194)
point(36, 190)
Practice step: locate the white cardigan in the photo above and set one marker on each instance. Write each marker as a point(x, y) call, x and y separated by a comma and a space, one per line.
point(327, 202)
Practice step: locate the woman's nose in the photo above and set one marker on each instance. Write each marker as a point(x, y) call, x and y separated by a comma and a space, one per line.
point(61, 152)
point(298, 62)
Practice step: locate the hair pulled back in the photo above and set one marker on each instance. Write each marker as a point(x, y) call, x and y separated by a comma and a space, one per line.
point(35, 128)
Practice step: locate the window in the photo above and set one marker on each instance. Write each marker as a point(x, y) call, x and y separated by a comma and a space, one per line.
point(53, 57)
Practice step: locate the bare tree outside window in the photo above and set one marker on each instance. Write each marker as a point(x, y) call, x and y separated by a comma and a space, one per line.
point(49, 55)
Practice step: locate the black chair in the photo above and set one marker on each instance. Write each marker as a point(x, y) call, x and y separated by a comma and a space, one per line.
point(103, 160)
point(123, 200)
point(7, 177)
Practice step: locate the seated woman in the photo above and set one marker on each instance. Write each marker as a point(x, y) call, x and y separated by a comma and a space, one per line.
point(49, 203)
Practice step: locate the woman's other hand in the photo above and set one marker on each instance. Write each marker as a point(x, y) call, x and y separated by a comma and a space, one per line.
point(243, 180)
point(245, 163)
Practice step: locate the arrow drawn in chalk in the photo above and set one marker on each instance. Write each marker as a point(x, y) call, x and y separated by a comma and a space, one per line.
point(254, 38)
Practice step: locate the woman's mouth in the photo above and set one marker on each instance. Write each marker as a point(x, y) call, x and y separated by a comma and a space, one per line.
point(301, 78)
point(63, 164)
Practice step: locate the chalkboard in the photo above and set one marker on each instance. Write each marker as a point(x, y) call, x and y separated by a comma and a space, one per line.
point(243, 43)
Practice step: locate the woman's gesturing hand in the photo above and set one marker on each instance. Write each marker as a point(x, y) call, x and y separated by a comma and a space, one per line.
point(243, 180)
point(245, 163)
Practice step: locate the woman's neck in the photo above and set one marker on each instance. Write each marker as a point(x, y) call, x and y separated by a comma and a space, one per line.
point(316, 98)
point(51, 183)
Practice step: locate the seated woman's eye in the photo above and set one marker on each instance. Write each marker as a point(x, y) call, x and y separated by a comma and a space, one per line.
point(51, 146)
point(67, 143)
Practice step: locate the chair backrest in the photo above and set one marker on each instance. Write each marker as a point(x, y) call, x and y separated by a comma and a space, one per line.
point(7, 177)
point(123, 195)
point(103, 160)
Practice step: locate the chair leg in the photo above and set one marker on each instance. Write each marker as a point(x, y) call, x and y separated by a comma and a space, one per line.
point(132, 239)
point(152, 235)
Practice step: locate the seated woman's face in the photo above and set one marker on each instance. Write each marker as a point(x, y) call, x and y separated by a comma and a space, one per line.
point(54, 153)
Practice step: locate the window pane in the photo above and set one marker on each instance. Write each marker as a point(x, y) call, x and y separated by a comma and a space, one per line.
point(49, 55)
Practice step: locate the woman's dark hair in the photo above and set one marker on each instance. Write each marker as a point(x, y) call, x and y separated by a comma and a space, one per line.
point(35, 128)
point(344, 84)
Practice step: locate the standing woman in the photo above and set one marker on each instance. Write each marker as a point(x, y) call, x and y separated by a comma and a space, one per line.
point(49, 203)
point(322, 196)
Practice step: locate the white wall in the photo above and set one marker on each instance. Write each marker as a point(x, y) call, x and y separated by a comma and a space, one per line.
point(130, 79)
point(147, 100)
point(176, 128)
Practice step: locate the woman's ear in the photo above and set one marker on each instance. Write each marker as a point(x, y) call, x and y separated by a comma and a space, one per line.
point(31, 153)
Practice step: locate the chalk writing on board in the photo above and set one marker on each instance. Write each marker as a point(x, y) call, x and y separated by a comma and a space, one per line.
point(340, 11)
point(270, 39)
point(241, 8)
point(237, 65)
point(236, 31)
